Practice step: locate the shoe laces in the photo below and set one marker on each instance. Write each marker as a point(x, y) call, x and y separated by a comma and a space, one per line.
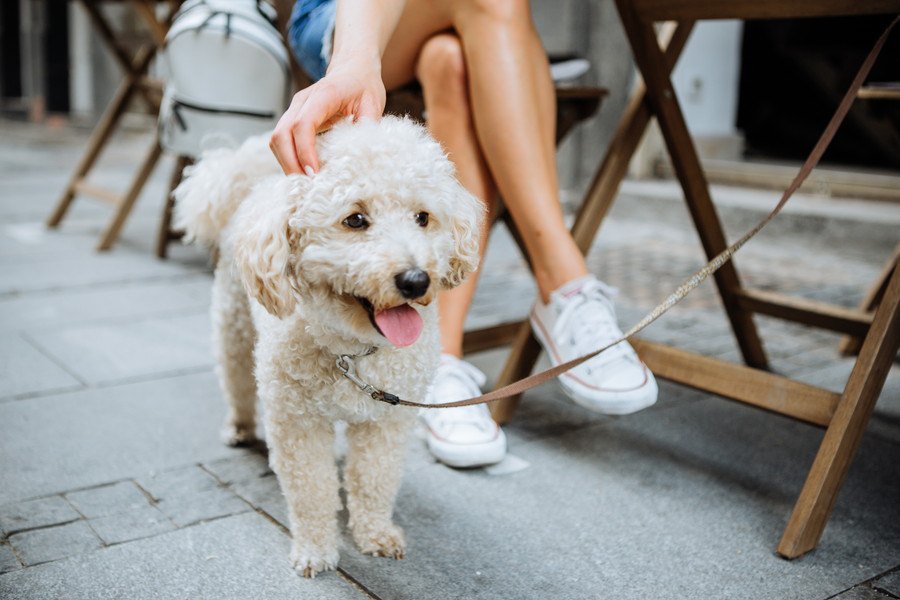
point(587, 322)
point(458, 380)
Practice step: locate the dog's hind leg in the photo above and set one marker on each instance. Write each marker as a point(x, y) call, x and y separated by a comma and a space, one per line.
point(372, 477)
point(233, 340)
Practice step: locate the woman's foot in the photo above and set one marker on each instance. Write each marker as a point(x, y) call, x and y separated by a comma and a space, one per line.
point(579, 319)
point(465, 436)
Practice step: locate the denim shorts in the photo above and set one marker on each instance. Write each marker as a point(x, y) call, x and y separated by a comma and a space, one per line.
point(310, 32)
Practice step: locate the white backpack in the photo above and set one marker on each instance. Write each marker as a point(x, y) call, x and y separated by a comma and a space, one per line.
point(228, 75)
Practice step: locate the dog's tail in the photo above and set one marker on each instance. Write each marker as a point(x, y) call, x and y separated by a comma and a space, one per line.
point(214, 188)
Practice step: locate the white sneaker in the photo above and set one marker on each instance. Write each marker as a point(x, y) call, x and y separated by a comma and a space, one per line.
point(465, 436)
point(580, 318)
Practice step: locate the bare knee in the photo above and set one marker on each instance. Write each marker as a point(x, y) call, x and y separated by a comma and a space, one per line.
point(499, 11)
point(442, 65)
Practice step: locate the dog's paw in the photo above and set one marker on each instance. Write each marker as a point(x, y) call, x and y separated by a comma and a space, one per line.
point(238, 435)
point(307, 561)
point(388, 541)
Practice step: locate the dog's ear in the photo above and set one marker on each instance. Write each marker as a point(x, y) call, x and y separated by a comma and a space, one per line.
point(466, 219)
point(266, 245)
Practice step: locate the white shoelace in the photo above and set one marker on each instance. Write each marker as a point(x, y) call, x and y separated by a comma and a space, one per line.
point(595, 326)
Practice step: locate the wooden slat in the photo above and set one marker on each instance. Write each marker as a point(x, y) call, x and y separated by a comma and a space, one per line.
point(676, 10)
point(751, 386)
point(878, 93)
point(95, 191)
point(490, 337)
point(808, 312)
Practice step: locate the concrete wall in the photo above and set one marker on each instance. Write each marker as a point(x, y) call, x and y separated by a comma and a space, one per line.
point(592, 29)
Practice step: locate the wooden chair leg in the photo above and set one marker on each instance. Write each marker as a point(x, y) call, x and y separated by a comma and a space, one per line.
point(846, 428)
point(126, 202)
point(100, 136)
point(690, 174)
point(165, 234)
point(850, 345)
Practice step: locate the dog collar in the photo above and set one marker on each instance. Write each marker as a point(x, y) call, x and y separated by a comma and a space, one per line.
point(346, 365)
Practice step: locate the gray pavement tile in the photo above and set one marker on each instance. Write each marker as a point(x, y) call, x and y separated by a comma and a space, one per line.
point(695, 496)
point(265, 494)
point(861, 592)
point(139, 522)
point(889, 583)
point(126, 301)
point(87, 438)
point(107, 352)
point(52, 543)
point(244, 556)
point(243, 465)
point(106, 500)
point(31, 241)
point(202, 506)
point(31, 514)
point(84, 269)
point(26, 370)
point(176, 483)
point(8, 560)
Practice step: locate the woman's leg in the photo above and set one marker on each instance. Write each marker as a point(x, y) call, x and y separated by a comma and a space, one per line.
point(461, 437)
point(441, 70)
point(512, 105)
point(513, 111)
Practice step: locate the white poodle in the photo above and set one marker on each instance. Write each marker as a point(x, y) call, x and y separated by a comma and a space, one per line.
point(345, 263)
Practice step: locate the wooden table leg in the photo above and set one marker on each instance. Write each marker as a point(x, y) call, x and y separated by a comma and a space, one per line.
point(661, 94)
point(846, 428)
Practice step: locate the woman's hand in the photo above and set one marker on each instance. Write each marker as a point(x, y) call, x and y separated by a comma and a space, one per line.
point(348, 89)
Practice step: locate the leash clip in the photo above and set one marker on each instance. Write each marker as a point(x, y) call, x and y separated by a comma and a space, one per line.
point(347, 367)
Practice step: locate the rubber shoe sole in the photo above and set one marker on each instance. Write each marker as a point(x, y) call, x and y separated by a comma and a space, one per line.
point(467, 455)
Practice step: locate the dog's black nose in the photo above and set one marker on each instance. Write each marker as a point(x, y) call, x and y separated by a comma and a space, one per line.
point(412, 283)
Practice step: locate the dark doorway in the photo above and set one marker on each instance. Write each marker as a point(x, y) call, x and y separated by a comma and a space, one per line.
point(56, 45)
point(10, 53)
point(793, 76)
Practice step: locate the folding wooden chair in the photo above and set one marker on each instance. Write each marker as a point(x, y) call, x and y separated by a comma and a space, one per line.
point(135, 82)
point(843, 415)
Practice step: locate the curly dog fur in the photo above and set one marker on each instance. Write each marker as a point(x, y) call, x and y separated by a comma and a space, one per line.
point(299, 282)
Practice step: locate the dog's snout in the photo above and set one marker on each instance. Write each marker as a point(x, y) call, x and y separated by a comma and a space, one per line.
point(412, 283)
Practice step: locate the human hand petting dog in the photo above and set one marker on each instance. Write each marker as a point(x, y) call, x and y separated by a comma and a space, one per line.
point(352, 86)
point(349, 89)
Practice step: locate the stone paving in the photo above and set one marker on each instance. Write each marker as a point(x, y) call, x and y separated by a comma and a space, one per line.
point(114, 484)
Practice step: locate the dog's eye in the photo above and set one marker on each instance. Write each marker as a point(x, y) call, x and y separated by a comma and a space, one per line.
point(356, 221)
point(422, 219)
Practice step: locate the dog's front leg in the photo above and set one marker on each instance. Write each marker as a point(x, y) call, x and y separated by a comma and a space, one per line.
point(372, 476)
point(301, 452)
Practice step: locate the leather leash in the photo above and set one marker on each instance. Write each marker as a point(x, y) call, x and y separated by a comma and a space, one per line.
point(685, 288)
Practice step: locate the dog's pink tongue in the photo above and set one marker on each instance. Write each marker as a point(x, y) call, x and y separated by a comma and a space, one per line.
point(401, 324)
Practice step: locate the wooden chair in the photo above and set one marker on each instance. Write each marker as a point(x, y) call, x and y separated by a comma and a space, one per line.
point(844, 416)
point(135, 82)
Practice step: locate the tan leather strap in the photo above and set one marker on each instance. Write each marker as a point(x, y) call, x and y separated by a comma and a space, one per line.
point(697, 278)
